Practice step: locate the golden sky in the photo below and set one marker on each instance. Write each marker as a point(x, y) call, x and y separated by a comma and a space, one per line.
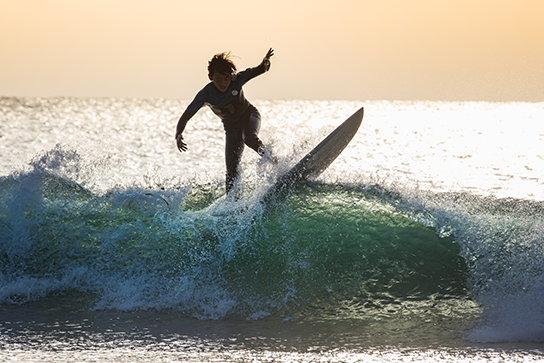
point(345, 49)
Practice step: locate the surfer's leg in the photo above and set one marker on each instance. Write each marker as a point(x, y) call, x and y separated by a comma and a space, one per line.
point(251, 131)
point(251, 138)
point(234, 147)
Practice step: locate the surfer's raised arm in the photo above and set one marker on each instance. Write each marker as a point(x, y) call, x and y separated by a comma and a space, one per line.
point(266, 59)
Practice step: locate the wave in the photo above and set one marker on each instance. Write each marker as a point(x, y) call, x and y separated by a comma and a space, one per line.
point(319, 241)
point(320, 248)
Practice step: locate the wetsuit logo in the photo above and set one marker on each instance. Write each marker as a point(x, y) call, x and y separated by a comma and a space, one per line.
point(235, 93)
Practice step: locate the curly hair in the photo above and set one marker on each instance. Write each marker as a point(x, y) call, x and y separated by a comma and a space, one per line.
point(221, 63)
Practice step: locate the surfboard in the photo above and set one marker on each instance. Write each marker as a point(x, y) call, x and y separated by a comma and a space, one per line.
point(319, 159)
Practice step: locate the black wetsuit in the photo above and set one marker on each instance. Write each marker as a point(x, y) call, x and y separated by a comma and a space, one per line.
point(241, 120)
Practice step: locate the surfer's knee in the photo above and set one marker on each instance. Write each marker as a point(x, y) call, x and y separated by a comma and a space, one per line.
point(251, 131)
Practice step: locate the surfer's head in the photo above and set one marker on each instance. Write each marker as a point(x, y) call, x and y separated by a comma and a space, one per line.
point(221, 70)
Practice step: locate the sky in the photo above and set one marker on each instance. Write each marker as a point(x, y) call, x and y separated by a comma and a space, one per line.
point(450, 50)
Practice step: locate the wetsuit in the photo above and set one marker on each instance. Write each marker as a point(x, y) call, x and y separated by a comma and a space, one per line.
point(241, 120)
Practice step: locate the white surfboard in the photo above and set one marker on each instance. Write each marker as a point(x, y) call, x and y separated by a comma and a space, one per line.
point(319, 159)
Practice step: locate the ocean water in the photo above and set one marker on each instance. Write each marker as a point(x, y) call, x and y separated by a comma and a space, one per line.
point(423, 241)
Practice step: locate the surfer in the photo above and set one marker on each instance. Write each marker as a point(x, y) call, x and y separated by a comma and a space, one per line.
point(241, 120)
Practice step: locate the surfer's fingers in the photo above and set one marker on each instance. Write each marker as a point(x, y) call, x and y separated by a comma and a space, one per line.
point(181, 145)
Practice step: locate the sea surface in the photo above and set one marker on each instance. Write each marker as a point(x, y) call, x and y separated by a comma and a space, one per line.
point(423, 241)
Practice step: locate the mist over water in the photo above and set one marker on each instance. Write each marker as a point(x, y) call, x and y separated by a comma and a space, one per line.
point(427, 230)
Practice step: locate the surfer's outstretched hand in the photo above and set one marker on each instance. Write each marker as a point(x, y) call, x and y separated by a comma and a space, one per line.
point(269, 54)
point(181, 145)
point(266, 59)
